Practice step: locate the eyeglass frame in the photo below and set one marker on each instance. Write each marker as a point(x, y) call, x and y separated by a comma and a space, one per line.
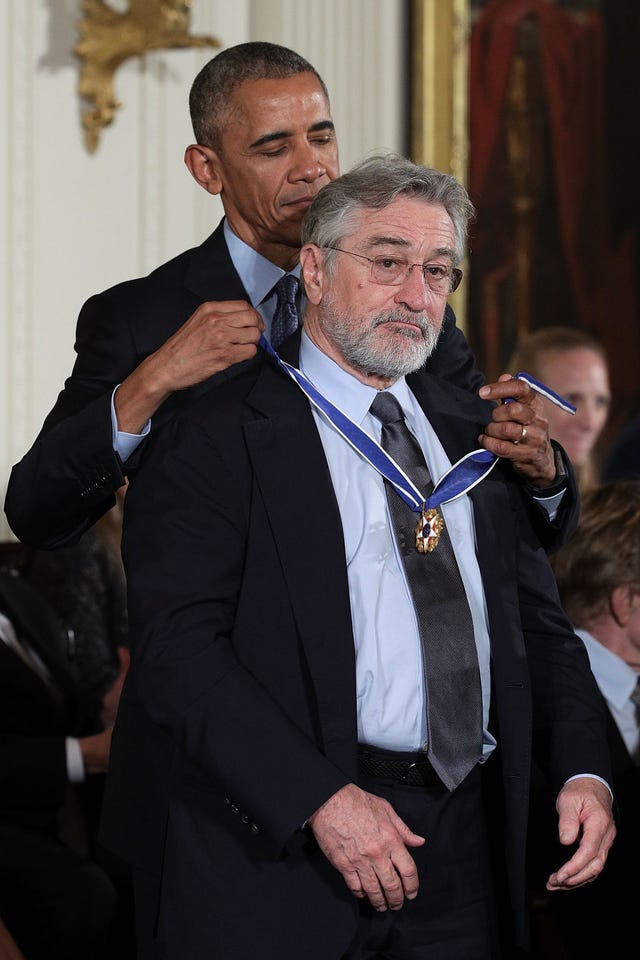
point(456, 272)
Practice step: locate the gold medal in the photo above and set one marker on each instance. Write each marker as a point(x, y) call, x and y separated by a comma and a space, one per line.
point(428, 530)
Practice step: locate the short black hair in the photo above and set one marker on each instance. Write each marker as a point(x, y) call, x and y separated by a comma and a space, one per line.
point(212, 89)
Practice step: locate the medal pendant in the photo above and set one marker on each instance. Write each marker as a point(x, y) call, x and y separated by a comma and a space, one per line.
point(428, 530)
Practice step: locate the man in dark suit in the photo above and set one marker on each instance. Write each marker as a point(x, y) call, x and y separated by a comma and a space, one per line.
point(274, 779)
point(54, 896)
point(598, 574)
point(166, 337)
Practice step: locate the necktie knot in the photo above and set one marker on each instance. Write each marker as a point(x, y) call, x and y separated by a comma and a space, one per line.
point(285, 318)
point(386, 408)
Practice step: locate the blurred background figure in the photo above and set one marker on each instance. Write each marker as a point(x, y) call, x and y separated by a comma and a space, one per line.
point(623, 460)
point(60, 895)
point(67, 609)
point(598, 574)
point(574, 364)
point(85, 585)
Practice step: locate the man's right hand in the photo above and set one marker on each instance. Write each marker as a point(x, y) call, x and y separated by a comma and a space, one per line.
point(363, 837)
point(217, 335)
point(95, 751)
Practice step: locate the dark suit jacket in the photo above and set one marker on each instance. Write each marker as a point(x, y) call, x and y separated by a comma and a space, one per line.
point(239, 712)
point(68, 477)
point(33, 721)
point(588, 921)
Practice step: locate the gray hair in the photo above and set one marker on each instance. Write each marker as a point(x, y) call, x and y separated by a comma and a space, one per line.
point(214, 86)
point(374, 183)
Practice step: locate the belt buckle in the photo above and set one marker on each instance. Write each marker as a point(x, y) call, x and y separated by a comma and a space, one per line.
point(405, 776)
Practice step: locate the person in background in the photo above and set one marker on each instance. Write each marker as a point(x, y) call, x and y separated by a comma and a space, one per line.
point(266, 144)
point(56, 896)
point(574, 364)
point(623, 459)
point(292, 773)
point(598, 575)
point(85, 585)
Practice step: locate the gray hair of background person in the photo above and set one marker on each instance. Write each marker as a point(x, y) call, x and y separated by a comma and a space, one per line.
point(214, 86)
point(604, 552)
point(374, 183)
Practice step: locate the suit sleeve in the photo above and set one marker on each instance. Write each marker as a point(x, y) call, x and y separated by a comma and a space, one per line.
point(33, 773)
point(67, 480)
point(569, 724)
point(454, 361)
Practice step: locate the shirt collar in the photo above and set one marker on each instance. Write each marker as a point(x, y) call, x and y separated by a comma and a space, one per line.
point(343, 389)
point(258, 275)
point(616, 679)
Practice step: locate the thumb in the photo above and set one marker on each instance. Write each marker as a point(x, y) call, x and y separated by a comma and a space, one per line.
point(124, 658)
point(410, 838)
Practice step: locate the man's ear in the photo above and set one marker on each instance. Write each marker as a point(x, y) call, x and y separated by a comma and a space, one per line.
point(621, 604)
point(313, 272)
point(203, 165)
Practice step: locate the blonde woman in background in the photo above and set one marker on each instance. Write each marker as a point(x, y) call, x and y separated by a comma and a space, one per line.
point(574, 364)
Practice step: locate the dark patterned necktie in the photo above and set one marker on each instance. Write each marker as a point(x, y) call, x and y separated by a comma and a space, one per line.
point(285, 318)
point(452, 677)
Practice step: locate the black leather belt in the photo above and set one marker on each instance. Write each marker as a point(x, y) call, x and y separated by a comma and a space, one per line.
point(411, 768)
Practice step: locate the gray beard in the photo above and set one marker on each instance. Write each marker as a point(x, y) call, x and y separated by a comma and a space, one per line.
point(392, 360)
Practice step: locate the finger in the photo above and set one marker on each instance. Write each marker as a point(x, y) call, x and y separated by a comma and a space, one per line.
point(352, 880)
point(571, 874)
point(507, 388)
point(409, 879)
point(372, 889)
point(392, 887)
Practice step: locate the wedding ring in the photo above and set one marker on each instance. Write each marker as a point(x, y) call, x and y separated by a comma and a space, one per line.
point(522, 437)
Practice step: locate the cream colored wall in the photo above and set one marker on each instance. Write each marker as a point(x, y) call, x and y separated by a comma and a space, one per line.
point(74, 223)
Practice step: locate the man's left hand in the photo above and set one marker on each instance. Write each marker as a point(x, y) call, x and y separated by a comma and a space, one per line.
point(519, 431)
point(585, 815)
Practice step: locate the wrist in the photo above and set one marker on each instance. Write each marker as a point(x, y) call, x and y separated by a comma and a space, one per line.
point(139, 396)
point(559, 482)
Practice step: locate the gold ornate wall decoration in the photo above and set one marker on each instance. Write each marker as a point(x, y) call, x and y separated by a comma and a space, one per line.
point(108, 38)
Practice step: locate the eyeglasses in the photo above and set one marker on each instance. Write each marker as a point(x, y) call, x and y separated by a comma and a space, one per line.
point(393, 271)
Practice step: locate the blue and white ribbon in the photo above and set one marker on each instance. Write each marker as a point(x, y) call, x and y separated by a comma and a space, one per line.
point(458, 480)
point(544, 391)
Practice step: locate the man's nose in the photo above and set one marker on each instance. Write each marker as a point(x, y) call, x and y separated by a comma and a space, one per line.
point(306, 165)
point(413, 291)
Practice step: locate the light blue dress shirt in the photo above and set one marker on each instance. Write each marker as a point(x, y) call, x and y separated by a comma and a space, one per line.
point(616, 681)
point(389, 677)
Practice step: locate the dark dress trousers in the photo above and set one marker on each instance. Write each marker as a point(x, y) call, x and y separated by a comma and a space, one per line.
point(238, 717)
point(68, 477)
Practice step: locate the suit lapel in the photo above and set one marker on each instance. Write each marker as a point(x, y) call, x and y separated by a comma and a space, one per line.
point(293, 475)
point(211, 270)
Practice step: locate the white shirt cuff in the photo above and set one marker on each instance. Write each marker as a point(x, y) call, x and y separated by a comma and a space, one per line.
point(125, 443)
point(75, 763)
